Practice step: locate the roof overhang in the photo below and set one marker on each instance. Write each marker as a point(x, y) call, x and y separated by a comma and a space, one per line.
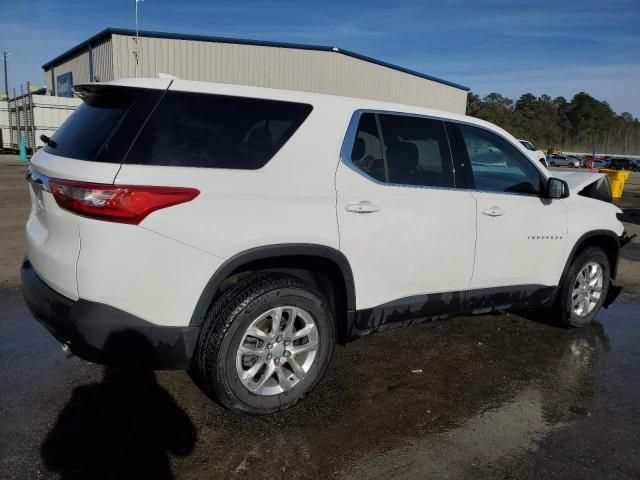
point(239, 41)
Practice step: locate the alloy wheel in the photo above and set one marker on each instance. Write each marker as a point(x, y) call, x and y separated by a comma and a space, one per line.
point(587, 289)
point(277, 350)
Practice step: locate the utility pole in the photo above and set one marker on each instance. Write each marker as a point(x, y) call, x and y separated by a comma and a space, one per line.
point(5, 56)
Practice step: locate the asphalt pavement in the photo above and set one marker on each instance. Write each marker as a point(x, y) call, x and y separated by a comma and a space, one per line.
point(494, 396)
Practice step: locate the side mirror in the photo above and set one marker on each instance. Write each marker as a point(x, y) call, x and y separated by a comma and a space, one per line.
point(557, 188)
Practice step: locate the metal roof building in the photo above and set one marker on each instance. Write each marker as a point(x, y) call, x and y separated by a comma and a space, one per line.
point(118, 53)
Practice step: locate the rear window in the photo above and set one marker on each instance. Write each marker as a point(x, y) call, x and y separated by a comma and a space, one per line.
point(216, 131)
point(104, 126)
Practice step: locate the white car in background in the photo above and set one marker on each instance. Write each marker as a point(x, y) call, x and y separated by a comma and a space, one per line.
point(564, 161)
point(537, 155)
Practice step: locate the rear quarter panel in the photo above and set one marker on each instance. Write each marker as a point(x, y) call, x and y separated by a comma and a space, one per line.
point(140, 272)
point(290, 200)
point(52, 234)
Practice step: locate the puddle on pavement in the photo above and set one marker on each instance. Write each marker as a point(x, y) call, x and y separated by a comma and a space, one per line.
point(490, 388)
point(508, 430)
point(514, 427)
point(544, 405)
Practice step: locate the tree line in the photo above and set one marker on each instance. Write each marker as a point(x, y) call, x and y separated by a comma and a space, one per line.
point(578, 125)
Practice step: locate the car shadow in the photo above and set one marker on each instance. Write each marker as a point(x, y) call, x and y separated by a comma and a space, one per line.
point(125, 426)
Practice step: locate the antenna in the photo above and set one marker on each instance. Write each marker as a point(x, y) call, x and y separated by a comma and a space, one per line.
point(5, 57)
point(137, 2)
point(135, 40)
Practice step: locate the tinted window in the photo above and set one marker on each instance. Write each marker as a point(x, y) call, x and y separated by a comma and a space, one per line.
point(367, 149)
point(412, 150)
point(102, 128)
point(417, 151)
point(497, 165)
point(199, 130)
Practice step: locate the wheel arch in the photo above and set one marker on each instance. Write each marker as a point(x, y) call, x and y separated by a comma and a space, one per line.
point(328, 263)
point(607, 240)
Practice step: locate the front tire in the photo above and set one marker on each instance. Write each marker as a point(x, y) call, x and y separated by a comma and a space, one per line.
point(264, 344)
point(584, 288)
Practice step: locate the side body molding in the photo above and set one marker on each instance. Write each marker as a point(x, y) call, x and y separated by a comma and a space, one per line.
point(271, 251)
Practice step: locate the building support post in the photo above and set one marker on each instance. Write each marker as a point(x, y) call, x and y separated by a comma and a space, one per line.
point(90, 51)
point(32, 121)
point(5, 56)
point(17, 105)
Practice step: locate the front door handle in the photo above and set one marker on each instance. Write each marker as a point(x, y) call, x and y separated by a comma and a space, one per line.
point(494, 211)
point(362, 207)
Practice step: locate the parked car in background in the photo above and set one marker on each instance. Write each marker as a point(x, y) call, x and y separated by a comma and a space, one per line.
point(564, 161)
point(537, 155)
point(624, 164)
point(227, 230)
point(577, 159)
point(598, 162)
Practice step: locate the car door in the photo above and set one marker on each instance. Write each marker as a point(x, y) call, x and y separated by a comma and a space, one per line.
point(404, 227)
point(521, 234)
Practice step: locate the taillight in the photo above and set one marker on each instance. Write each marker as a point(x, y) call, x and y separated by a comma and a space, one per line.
point(116, 203)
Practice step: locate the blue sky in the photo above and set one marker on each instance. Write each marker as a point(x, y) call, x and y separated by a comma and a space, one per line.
point(511, 47)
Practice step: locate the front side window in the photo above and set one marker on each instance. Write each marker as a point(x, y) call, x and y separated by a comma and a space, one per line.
point(216, 131)
point(403, 150)
point(497, 165)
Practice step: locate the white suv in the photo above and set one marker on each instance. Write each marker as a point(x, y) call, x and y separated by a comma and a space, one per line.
point(239, 232)
point(535, 154)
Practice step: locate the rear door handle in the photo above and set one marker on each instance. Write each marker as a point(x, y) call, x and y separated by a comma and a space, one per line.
point(362, 207)
point(494, 211)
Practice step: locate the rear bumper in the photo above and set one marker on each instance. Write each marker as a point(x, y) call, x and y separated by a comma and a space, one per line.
point(103, 334)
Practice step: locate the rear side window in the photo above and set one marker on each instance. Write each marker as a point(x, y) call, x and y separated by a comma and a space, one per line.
point(403, 150)
point(216, 131)
point(102, 128)
point(366, 153)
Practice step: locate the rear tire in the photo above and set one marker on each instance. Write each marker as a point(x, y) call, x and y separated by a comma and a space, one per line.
point(264, 344)
point(583, 290)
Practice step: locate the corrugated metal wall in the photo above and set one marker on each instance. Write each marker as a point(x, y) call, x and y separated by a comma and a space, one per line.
point(103, 61)
point(78, 65)
point(4, 125)
point(277, 67)
point(263, 66)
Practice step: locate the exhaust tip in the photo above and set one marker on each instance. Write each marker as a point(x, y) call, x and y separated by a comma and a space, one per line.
point(66, 350)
